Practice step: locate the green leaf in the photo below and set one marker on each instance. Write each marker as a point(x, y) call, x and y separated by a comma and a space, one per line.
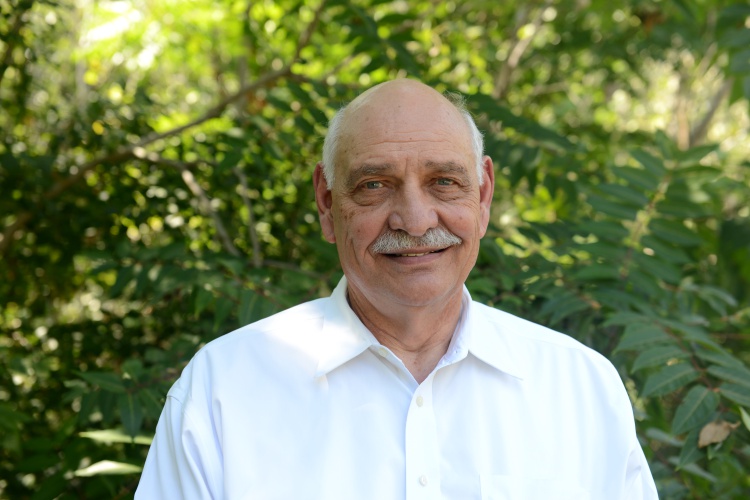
point(696, 154)
point(624, 194)
point(615, 209)
point(610, 230)
point(663, 437)
point(625, 318)
point(690, 452)
point(597, 272)
point(108, 467)
point(740, 394)
point(248, 299)
point(692, 333)
point(605, 250)
point(639, 335)
point(152, 402)
point(223, 308)
point(202, 298)
point(674, 232)
point(106, 380)
point(686, 8)
point(658, 356)
point(562, 306)
point(644, 283)
point(739, 62)
point(696, 407)
point(736, 374)
point(665, 251)
point(651, 163)
point(531, 128)
point(658, 268)
point(718, 356)
point(669, 379)
point(10, 418)
point(124, 276)
point(637, 176)
point(132, 368)
point(745, 418)
point(131, 414)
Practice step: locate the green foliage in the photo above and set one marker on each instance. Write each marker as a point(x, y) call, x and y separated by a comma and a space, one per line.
point(155, 168)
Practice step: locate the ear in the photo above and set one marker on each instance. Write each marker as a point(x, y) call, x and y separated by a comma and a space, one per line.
point(486, 191)
point(324, 200)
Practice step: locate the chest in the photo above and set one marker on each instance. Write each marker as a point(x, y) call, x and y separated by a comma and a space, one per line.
point(464, 433)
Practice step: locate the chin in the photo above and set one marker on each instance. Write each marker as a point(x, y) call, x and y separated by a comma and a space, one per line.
point(416, 295)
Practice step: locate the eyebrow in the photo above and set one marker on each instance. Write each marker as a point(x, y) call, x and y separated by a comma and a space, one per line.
point(450, 167)
point(365, 170)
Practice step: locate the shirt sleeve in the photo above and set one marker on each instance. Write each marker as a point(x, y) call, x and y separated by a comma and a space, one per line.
point(639, 484)
point(181, 463)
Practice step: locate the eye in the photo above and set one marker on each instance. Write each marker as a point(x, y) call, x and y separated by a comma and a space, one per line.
point(373, 184)
point(445, 182)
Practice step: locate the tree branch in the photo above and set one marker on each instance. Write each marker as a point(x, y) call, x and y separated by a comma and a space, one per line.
point(502, 80)
point(14, 32)
point(138, 150)
point(257, 261)
point(204, 201)
point(698, 133)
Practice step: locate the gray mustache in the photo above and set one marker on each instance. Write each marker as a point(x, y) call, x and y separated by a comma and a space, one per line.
point(397, 241)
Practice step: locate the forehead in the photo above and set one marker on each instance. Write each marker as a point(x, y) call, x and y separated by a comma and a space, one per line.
point(423, 128)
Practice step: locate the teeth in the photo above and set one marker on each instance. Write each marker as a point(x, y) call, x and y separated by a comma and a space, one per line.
point(415, 254)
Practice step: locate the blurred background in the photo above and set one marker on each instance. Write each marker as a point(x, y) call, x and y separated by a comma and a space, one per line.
point(155, 193)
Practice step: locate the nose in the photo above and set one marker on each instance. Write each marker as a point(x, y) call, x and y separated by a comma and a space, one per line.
point(413, 211)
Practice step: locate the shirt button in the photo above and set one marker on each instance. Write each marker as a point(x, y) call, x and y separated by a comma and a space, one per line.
point(383, 351)
point(420, 402)
point(423, 480)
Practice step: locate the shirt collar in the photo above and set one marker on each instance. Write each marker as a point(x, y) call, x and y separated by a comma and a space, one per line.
point(494, 341)
point(344, 337)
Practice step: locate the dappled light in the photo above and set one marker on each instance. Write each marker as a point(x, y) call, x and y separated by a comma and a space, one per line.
point(156, 163)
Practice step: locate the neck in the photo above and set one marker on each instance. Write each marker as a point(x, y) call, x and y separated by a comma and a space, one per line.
point(418, 335)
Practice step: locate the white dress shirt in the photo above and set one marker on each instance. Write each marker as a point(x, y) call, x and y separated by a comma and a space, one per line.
point(307, 404)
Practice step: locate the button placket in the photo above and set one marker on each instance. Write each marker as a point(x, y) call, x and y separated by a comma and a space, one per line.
point(421, 446)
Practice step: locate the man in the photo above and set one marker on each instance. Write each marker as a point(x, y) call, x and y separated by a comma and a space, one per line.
point(398, 385)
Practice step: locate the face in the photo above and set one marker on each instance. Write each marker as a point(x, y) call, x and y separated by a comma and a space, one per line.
point(405, 164)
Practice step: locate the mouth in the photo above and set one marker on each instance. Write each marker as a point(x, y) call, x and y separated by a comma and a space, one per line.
point(415, 254)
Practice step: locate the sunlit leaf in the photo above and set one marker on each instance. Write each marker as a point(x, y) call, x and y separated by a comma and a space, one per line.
point(110, 436)
point(107, 467)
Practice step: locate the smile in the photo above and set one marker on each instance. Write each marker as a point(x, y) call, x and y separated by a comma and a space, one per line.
point(414, 254)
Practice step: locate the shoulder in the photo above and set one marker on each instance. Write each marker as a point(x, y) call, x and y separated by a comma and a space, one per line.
point(283, 343)
point(536, 341)
point(295, 321)
point(551, 362)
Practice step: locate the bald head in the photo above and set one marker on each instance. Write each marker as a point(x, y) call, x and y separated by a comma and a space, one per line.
point(398, 102)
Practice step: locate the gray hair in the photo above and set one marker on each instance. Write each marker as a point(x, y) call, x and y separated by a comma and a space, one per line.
point(331, 142)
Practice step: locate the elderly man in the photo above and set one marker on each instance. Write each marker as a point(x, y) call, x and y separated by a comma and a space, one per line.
point(398, 385)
